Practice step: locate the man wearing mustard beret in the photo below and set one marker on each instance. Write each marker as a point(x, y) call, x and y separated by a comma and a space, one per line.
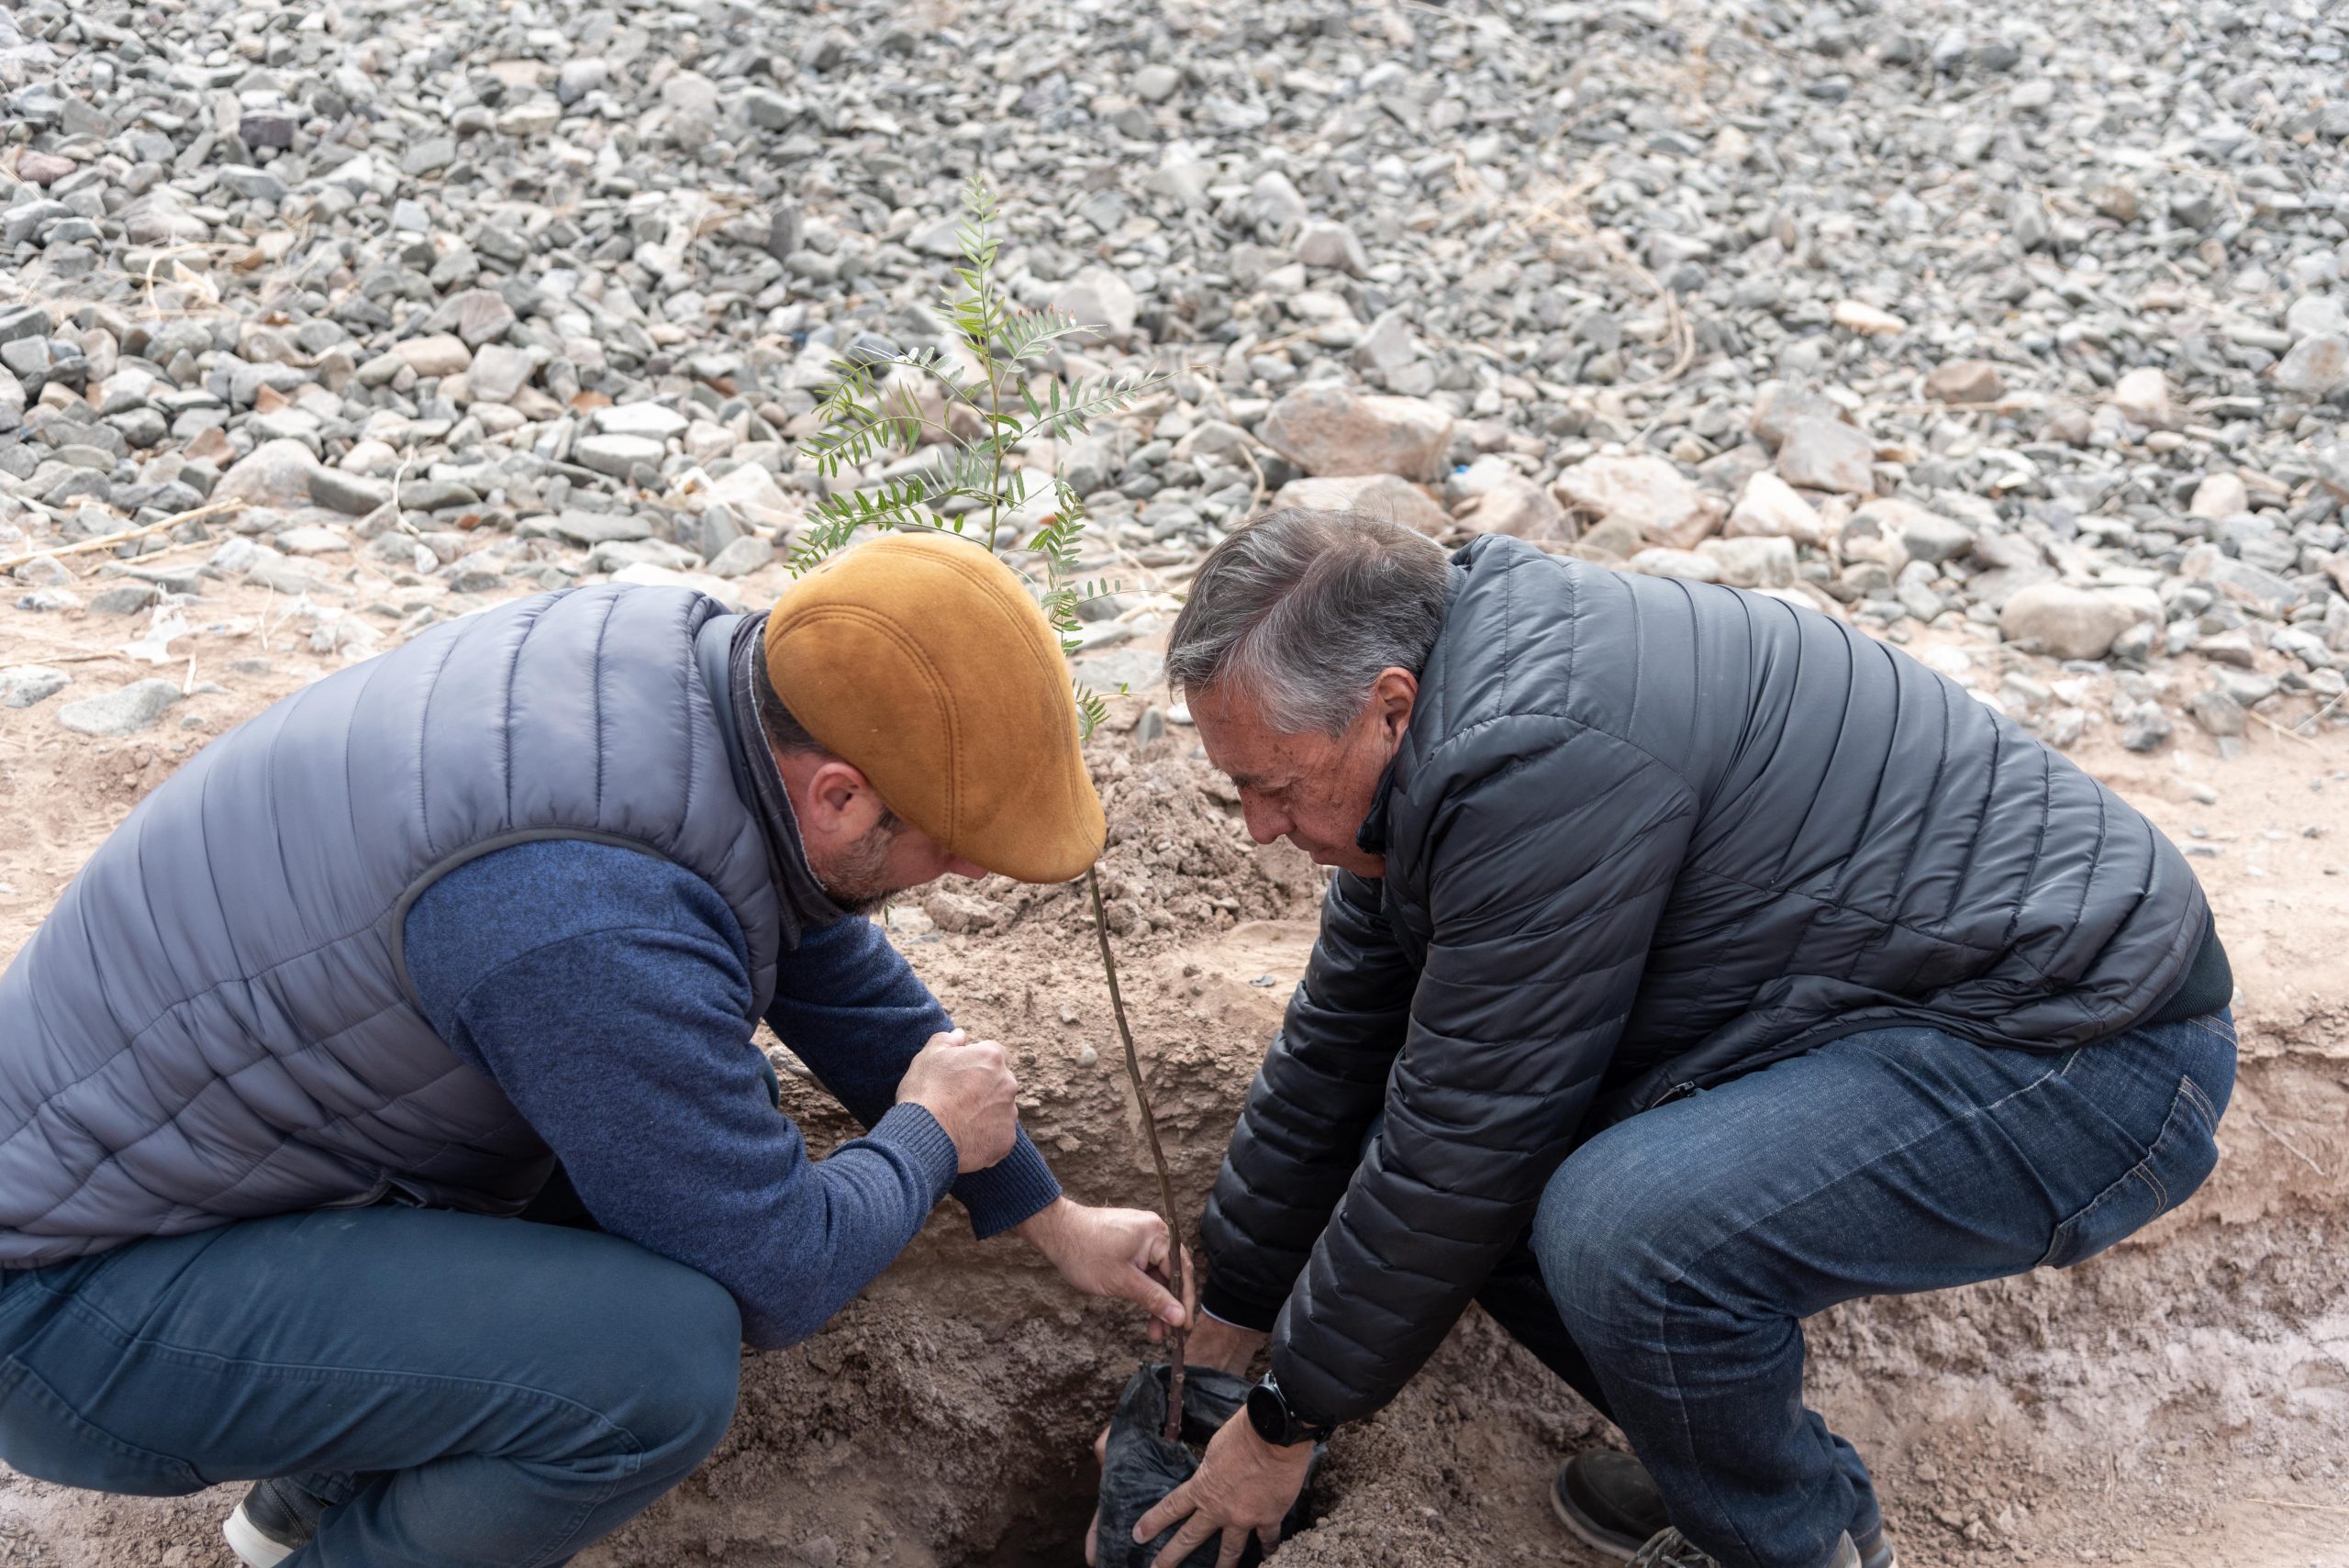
point(379, 1115)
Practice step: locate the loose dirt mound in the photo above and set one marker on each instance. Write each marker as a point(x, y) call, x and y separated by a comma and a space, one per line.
point(2182, 1400)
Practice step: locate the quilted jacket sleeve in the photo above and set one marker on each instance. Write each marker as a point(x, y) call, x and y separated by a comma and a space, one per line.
point(1313, 1102)
point(1547, 851)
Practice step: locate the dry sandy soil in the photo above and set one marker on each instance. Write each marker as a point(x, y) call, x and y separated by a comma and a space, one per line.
point(2181, 1400)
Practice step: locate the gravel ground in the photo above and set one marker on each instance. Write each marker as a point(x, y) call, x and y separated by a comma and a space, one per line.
point(2030, 328)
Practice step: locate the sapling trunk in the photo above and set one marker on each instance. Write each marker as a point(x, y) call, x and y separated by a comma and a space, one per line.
point(1176, 1338)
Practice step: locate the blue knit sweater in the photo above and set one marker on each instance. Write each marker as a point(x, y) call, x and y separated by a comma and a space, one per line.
point(607, 992)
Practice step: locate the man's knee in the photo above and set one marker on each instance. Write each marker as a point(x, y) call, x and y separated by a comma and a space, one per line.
point(691, 1337)
point(1604, 1235)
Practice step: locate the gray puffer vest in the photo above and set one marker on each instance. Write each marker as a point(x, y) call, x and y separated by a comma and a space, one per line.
point(214, 1024)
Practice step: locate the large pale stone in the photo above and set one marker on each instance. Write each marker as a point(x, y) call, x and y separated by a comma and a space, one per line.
point(28, 683)
point(592, 528)
point(1685, 563)
point(1645, 491)
point(1330, 431)
point(439, 353)
point(616, 455)
point(498, 372)
point(125, 711)
point(1751, 562)
point(2143, 397)
point(2076, 623)
point(274, 473)
point(1771, 508)
point(1856, 315)
point(1923, 533)
point(1827, 455)
point(1516, 505)
point(2220, 495)
point(1377, 495)
point(1966, 381)
point(1101, 298)
point(652, 420)
point(2315, 365)
point(1778, 408)
point(755, 497)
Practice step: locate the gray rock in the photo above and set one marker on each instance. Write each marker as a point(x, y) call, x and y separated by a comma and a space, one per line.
point(1276, 206)
point(437, 354)
point(1156, 83)
point(28, 683)
point(2315, 365)
point(651, 422)
point(128, 599)
point(479, 315)
point(2218, 712)
point(125, 711)
point(347, 493)
point(1374, 494)
point(1827, 455)
point(593, 529)
point(1099, 297)
point(275, 474)
point(577, 78)
point(2066, 622)
point(742, 557)
point(2316, 315)
point(1925, 534)
point(498, 372)
point(1649, 493)
point(1329, 430)
point(1777, 412)
point(436, 495)
point(1330, 245)
point(22, 321)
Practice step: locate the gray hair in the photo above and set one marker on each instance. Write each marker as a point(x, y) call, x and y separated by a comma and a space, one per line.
point(1303, 608)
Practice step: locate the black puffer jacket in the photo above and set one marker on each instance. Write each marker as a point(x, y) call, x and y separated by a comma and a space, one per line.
point(1643, 834)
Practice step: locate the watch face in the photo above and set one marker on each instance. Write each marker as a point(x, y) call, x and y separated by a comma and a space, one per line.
point(1268, 1413)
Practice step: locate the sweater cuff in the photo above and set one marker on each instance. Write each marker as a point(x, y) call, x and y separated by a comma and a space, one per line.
point(1016, 1188)
point(1217, 1301)
point(912, 1131)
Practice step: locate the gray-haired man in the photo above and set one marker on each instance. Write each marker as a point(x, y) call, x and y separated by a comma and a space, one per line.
point(1693, 964)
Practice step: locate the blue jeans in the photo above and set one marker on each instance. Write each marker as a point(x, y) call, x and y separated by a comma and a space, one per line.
point(1682, 1249)
point(469, 1391)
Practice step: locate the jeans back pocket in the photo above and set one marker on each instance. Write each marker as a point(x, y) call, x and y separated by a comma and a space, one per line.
point(2182, 1157)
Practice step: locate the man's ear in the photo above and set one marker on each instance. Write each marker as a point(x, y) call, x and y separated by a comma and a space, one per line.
point(838, 803)
point(1392, 697)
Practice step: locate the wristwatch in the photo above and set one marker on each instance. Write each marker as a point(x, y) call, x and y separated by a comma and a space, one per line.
point(1269, 1413)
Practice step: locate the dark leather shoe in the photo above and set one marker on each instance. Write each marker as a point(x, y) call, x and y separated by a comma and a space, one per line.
point(1608, 1502)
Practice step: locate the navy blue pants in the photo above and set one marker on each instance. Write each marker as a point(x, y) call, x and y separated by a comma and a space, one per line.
point(1675, 1254)
point(470, 1391)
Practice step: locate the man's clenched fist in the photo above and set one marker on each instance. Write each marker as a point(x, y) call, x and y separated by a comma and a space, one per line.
point(969, 1089)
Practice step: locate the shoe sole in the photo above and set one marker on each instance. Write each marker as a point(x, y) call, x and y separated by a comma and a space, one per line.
point(1608, 1546)
point(1590, 1535)
point(253, 1548)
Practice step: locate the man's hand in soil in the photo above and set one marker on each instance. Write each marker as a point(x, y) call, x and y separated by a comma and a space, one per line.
point(1243, 1486)
point(1110, 1252)
point(969, 1089)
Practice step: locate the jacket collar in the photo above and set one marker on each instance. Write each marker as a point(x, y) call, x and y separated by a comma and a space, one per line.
point(1372, 838)
point(805, 905)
